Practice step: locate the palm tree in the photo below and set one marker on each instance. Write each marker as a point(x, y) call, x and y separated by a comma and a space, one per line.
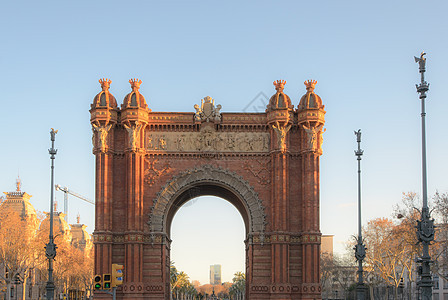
point(181, 287)
point(182, 280)
point(238, 288)
point(173, 277)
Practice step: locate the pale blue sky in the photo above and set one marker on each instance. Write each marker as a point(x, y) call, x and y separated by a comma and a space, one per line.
point(53, 53)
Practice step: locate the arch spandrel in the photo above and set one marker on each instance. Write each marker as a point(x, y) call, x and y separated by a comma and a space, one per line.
point(207, 175)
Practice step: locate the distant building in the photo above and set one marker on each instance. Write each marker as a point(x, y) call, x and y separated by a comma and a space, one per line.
point(18, 202)
point(215, 274)
point(327, 244)
point(81, 239)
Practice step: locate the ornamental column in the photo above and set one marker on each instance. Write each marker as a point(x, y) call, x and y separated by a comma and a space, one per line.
point(280, 117)
point(311, 121)
point(134, 117)
point(103, 117)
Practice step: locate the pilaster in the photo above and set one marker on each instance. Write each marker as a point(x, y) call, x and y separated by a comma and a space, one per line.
point(134, 118)
point(103, 118)
point(310, 116)
point(280, 119)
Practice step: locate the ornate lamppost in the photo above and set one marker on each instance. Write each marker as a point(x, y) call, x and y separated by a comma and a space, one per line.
point(425, 227)
point(360, 249)
point(50, 249)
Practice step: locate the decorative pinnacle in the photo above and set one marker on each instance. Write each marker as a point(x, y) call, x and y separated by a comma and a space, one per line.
point(53, 134)
point(421, 61)
point(18, 183)
point(280, 85)
point(358, 152)
point(423, 87)
point(105, 83)
point(310, 84)
point(135, 84)
point(52, 151)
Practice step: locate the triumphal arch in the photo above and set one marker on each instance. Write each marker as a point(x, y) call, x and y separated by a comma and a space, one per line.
point(266, 164)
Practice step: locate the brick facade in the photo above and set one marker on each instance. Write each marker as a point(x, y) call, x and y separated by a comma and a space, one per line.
point(267, 164)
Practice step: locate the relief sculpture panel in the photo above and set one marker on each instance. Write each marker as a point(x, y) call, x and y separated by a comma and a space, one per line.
point(207, 140)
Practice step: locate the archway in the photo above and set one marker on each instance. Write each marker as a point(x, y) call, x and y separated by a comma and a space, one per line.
point(267, 164)
point(207, 231)
point(208, 181)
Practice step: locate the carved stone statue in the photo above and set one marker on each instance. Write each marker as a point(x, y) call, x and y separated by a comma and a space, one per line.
point(207, 112)
point(217, 113)
point(421, 60)
point(133, 132)
point(320, 138)
point(312, 136)
point(102, 133)
point(197, 115)
point(281, 132)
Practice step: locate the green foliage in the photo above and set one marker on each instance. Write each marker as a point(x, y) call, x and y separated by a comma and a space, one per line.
point(239, 284)
point(181, 286)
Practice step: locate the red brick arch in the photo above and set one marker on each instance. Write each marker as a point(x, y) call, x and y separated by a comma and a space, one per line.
point(207, 180)
point(266, 164)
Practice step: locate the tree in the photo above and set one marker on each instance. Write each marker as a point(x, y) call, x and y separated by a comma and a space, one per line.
point(337, 275)
point(440, 248)
point(387, 255)
point(326, 271)
point(181, 287)
point(238, 288)
point(18, 248)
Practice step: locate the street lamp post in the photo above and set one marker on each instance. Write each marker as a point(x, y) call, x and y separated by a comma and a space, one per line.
point(425, 227)
point(360, 249)
point(50, 249)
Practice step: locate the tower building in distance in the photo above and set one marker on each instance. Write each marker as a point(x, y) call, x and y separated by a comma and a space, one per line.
point(215, 274)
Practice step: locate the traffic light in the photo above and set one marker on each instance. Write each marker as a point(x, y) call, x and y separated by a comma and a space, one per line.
point(117, 275)
point(98, 285)
point(106, 281)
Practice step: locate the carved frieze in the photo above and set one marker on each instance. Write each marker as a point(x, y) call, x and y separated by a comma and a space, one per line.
point(207, 140)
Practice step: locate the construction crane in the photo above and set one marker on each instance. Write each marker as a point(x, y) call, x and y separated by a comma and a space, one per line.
point(66, 191)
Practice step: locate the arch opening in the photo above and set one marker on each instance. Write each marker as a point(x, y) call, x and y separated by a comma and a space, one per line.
point(207, 232)
point(211, 181)
point(207, 189)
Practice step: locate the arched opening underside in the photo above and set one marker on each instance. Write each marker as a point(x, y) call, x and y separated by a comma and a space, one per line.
point(207, 180)
point(206, 189)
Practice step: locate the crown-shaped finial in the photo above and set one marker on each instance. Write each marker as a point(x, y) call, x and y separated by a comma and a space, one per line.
point(105, 83)
point(135, 83)
point(280, 85)
point(310, 84)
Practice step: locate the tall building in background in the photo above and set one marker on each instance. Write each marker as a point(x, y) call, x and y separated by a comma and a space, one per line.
point(326, 246)
point(215, 274)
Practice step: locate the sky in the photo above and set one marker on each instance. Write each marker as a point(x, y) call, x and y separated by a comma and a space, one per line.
point(361, 53)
